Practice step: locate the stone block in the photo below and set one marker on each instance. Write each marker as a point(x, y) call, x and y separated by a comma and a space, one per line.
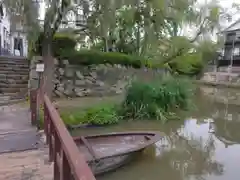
point(87, 81)
point(79, 92)
point(69, 73)
point(93, 75)
point(60, 88)
point(80, 83)
point(33, 74)
point(90, 78)
point(87, 91)
point(68, 93)
point(61, 71)
point(65, 62)
point(79, 75)
point(33, 83)
point(100, 83)
point(59, 93)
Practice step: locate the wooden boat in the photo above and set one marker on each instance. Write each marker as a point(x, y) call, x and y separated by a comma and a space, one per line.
point(107, 152)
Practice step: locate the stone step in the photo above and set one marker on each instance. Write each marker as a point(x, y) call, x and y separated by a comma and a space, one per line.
point(13, 76)
point(13, 85)
point(15, 66)
point(12, 101)
point(10, 90)
point(10, 63)
point(13, 59)
point(20, 72)
point(13, 81)
point(4, 98)
point(7, 94)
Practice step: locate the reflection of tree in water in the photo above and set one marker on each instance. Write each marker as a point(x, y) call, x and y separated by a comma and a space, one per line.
point(191, 157)
point(227, 124)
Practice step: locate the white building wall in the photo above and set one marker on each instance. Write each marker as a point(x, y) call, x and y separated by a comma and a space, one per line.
point(9, 37)
point(5, 29)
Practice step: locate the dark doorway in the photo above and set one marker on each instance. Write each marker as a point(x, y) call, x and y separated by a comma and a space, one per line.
point(1, 45)
point(18, 44)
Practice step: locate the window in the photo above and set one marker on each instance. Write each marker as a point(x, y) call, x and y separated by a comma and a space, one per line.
point(236, 51)
point(4, 32)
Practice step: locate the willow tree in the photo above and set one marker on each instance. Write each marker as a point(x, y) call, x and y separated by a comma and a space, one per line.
point(152, 28)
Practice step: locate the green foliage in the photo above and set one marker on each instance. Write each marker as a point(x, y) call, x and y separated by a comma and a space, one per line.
point(89, 57)
point(189, 64)
point(61, 43)
point(99, 115)
point(157, 99)
point(102, 115)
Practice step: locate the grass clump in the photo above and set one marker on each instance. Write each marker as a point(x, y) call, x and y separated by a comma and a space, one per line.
point(98, 115)
point(158, 99)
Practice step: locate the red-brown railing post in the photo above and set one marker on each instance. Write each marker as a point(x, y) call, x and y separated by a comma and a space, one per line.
point(46, 123)
point(33, 106)
point(50, 140)
point(66, 170)
point(56, 155)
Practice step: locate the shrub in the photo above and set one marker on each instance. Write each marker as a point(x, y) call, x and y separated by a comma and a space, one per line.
point(61, 43)
point(90, 57)
point(189, 64)
point(156, 99)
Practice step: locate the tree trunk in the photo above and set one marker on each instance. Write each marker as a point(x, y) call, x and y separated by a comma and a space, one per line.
point(138, 39)
point(48, 75)
point(106, 48)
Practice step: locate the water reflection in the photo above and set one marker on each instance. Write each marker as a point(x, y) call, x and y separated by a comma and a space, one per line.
point(205, 146)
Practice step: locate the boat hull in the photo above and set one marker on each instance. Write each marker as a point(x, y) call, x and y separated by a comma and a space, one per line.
point(112, 163)
point(107, 152)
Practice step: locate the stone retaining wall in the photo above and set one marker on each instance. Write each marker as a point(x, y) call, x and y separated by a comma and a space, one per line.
point(222, 95)
point(97, 80)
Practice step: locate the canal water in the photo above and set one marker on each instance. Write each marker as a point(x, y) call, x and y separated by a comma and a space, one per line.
point(203, 145)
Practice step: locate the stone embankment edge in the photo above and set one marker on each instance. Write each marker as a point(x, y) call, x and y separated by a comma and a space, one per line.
point(218, 84)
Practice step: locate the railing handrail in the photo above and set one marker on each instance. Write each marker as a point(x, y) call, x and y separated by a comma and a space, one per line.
point(76, 160)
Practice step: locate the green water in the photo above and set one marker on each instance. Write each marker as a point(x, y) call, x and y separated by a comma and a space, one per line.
point(204, 145)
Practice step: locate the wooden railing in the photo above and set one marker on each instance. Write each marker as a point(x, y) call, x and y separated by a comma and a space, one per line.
point(68, 161)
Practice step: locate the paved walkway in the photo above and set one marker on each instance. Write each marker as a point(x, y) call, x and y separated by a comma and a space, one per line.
point(23, 155)
point(16, 132)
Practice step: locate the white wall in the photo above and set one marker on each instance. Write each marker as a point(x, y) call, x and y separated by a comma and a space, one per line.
point(10, 38)
point(5, 24)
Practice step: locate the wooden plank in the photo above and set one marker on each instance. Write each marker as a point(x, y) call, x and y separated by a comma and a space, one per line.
point(89, 147)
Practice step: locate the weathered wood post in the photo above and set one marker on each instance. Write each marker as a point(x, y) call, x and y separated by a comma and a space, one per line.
point(33, 106)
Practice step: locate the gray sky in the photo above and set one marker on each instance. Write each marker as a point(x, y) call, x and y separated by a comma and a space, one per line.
point(227, 4)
